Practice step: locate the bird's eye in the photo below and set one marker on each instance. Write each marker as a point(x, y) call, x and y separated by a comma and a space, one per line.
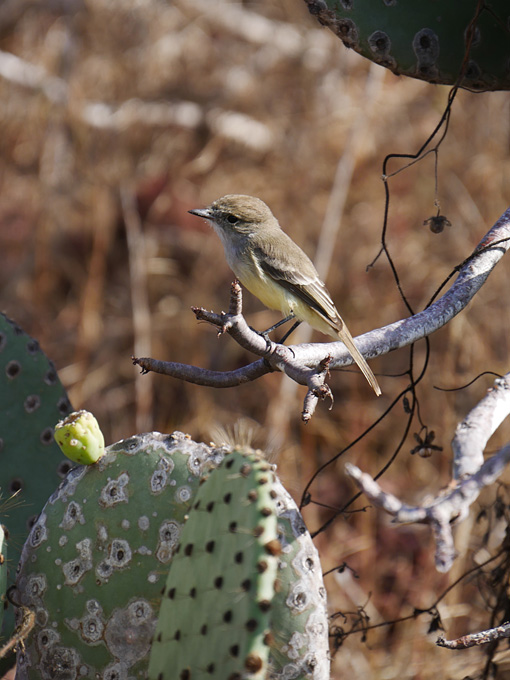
point(232, 219)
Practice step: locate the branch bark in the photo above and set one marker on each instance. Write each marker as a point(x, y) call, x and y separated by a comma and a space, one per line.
point(475, 639)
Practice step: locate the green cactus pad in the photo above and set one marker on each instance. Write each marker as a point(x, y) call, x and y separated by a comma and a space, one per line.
point(425, 40)
point(95, 562)
point(200, 625)
point(80, 438)
point(299, 623)
point(216, 610)
point(93, 566)
point(32, 400)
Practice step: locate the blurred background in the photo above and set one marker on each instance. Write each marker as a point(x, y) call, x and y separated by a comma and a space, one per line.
point(116, 119)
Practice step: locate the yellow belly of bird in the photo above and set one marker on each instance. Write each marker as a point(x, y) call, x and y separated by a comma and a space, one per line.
point(275, 296)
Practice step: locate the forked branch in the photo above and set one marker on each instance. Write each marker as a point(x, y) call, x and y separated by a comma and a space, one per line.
point(451, 506)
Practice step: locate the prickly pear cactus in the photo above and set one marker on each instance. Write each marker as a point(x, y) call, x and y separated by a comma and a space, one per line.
point(93, 567)
point(3, 572)
point(215, 615)
point(96, 560)
point(425, 40)
point(244, 596)
point(32, 399)
point(299, 643)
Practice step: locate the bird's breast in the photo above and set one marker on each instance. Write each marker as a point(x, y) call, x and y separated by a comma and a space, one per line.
point(254, 279)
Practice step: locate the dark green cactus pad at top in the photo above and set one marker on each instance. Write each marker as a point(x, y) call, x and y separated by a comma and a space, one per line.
point(96, 560)
point(32, 400)
point(425, 40)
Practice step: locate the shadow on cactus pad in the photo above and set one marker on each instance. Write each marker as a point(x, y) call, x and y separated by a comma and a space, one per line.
point(32, 400)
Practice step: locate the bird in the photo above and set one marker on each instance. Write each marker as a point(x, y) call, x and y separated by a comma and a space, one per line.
point(275, 269)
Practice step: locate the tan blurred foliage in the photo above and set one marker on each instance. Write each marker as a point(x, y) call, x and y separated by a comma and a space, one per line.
point(138, 111)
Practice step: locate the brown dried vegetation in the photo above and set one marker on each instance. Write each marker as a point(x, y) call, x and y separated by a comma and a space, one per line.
point(146, 109)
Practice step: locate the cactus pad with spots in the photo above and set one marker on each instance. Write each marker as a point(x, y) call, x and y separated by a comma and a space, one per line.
point(215, 613)
point(299, 622)
point(210, 616)
point(32, 400)
point(95, 562)
point(426, 40)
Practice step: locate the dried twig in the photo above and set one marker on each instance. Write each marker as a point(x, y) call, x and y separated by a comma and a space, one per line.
point(473, 433)
point(21, 633)
point(274, 357)
point(474, 639)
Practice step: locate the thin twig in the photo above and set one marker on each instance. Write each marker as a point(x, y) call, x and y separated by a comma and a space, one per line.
point(21, 633)
point(474, 639)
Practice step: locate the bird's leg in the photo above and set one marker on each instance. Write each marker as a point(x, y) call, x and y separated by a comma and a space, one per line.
point(265, 334)
point(277, 325)
point(291, 330)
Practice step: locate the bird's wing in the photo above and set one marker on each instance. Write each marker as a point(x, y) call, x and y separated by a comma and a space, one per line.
point(304, 282)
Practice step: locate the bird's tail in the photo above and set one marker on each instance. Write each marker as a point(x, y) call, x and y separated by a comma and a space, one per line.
point(346, 338)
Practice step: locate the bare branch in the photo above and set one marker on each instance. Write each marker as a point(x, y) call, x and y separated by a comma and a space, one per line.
point(309, 406)
point(473, 433)
point(474, 639)
point(202, 376)
point(276, 357)
point(21, 633)
point(451, 506)
point(472, 276)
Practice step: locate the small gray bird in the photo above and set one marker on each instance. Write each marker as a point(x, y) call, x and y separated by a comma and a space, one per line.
point(272, 267)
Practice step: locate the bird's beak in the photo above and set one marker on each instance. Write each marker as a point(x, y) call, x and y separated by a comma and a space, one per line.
point(205, 213)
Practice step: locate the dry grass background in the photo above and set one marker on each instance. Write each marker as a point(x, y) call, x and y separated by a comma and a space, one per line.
point(160, 107)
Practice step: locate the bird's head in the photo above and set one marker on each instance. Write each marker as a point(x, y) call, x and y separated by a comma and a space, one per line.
point(238, 213)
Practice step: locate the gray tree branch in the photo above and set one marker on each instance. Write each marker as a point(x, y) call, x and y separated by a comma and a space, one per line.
point(452, 505)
